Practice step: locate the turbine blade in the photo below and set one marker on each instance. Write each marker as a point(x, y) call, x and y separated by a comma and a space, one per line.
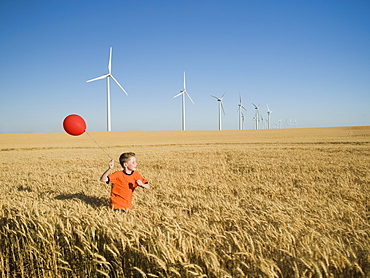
point(222, 106)
point(110, 61)
point(223, 95)
point(179, 94)
point(184, 82)
point(189, 97)
point(118, 84)
point(100, 77)
point(215, 97)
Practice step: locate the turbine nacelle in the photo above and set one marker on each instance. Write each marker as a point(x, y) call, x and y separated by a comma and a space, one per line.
point(241, 106)
point(256, 107)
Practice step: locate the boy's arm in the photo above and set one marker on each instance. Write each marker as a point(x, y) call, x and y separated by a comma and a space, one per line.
point(104, 177)
point(145, 185)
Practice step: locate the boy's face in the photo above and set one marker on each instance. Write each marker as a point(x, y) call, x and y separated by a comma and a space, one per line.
point(131, 164)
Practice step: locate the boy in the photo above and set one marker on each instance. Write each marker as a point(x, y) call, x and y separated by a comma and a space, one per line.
point(124, 182)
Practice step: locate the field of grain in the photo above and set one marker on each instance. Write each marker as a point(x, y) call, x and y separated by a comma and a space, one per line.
point(261, 203)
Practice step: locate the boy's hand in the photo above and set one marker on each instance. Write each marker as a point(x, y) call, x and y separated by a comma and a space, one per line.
point(104, 177)
point(145, 185)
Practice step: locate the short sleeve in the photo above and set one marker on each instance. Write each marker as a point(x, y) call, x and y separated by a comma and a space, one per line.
point(112, 178)
point(140, 177)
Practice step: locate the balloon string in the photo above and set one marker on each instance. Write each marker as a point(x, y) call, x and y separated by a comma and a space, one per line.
point(99, 146)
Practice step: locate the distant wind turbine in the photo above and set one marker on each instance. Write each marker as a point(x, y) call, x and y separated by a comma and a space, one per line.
point(220, 107)
point(268, 116)
point(257, 114)
point(108, 75)
point(241, 116)
point(182, 93)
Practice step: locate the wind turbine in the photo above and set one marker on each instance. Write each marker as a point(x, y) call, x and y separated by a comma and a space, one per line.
point(182, 93)
point(240, 107)
point(257, 114)
point(220, 107)
point(268, 116)
point(108, 76)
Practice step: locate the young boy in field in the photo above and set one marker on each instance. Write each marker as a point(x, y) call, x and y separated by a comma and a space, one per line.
point(124, 182)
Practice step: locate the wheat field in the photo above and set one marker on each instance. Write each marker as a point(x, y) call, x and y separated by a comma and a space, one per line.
point(253, 203)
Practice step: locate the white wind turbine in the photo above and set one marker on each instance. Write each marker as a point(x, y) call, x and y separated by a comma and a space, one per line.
point(241, 116)
point(257, 114)
point(108, 75)
point(182, 93)
point(268, 116)
point(220, 107)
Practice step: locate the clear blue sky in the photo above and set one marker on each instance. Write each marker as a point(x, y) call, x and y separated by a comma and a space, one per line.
point(308, 60)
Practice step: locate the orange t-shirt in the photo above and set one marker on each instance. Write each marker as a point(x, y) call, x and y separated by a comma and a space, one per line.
point(123, 186)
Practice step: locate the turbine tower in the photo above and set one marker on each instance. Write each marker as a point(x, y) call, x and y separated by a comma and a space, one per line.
point(242, 121)
point(262, 123)
point(108, 76)
point(268, 116)
point(220, 107)
point(182, 93)
point(257, 114)
point(241, 116)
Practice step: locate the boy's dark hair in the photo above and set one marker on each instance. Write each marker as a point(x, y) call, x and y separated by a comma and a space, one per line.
point(125, 157)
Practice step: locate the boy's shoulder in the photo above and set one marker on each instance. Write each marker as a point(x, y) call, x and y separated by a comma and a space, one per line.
point(122, 173)
point(116, 173)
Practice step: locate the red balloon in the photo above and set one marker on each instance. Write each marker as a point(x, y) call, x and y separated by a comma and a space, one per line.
point(74, 125)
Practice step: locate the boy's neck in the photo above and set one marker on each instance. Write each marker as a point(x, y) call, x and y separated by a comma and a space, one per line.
point(127, 171)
